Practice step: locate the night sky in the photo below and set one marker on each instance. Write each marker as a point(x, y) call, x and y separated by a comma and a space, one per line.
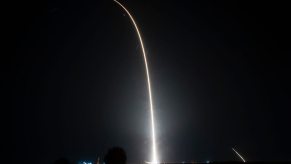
point(220, 75)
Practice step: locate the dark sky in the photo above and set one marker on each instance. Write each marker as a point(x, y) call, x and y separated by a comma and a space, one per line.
point(220, 74)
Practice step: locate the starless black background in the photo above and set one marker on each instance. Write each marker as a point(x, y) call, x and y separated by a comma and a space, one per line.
point(220, 74)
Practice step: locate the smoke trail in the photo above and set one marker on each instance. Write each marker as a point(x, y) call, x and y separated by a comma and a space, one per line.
point(239, 155)
point(154, 153)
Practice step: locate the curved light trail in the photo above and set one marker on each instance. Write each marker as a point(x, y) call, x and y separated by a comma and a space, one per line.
point(239, 155)
point(154, 149)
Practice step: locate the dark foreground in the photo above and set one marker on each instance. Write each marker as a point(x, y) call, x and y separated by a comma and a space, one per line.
point(229, 162)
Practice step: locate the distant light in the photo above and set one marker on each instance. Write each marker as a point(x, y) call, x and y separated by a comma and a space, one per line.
point(84, 162)
point(207, 161)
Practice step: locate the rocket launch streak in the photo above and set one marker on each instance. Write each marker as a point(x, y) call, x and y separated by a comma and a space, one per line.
point(240, 156)
point(154, 153)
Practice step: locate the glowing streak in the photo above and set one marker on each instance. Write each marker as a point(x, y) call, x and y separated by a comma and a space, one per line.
point(239, 155)
point(155, 159)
